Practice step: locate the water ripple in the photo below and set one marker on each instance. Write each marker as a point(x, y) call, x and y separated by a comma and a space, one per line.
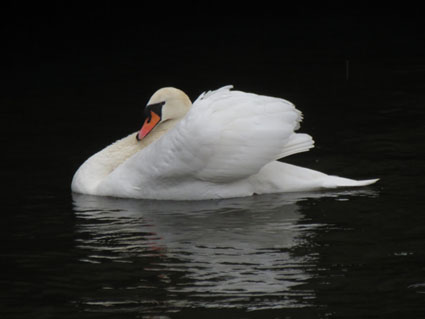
point(220, 254)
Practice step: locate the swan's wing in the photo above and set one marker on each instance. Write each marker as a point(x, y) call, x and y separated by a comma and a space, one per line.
point(246, 131)
point(226, 136)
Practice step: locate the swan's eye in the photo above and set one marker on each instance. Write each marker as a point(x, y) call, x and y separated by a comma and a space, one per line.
point(156, 108)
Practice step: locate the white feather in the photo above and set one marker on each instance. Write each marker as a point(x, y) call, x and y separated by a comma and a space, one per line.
point(225, 146)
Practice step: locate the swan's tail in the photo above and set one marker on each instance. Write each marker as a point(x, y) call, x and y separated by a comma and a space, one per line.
point(282, 177)
point(336, 181)
point(294, 176)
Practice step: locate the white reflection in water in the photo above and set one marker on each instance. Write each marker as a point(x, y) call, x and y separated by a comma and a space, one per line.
point(231, 253)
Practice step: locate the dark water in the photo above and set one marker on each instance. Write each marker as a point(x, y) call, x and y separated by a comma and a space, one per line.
point(343, 254)
point(338, 254)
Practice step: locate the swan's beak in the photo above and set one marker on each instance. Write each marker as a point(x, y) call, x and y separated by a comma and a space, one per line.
point(149, 125)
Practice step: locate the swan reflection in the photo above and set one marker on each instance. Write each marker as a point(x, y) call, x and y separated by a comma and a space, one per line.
point(217, 253)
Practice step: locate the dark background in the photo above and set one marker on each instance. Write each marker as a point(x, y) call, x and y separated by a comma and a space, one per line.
point(75, 77)
point(84, 71)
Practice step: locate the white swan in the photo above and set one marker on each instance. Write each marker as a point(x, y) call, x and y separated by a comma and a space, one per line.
point(224, 145)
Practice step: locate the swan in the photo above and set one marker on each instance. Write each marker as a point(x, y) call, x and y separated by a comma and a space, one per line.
point(226, 144)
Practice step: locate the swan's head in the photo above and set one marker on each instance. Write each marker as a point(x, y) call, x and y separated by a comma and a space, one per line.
point(166, 104)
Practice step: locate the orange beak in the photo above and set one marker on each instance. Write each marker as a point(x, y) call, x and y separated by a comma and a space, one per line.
point(149, 124)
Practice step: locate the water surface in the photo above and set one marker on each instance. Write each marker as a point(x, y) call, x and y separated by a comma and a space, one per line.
point(335, 254)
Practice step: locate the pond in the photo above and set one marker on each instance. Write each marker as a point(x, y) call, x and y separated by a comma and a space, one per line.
point(335, 254)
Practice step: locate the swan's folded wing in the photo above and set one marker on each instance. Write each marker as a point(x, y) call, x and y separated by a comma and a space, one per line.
point(226, 136)
point(251, 130)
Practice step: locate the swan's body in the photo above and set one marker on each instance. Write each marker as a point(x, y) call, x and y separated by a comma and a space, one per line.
point(224, 145)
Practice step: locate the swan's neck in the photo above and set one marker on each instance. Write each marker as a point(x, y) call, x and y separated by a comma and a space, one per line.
point(101, 164)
